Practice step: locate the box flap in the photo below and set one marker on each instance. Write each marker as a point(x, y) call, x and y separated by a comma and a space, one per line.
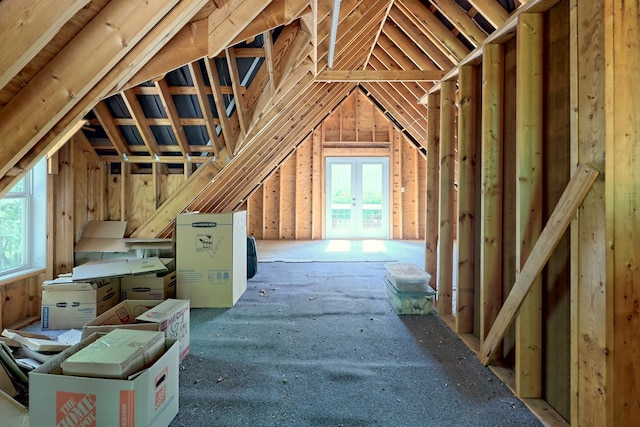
point(13, 413)
point(103, 236)
point(37, 344)
point(117, 268)
point(160, 311)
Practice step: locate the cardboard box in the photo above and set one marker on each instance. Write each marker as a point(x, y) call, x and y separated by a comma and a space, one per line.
point(211, 258)
point(117, 268)
point(103, 240)
point(13, 413)
point(149, 399)
point(118, 354)
point(170, 316)
point(161, 285)
point(67, 304)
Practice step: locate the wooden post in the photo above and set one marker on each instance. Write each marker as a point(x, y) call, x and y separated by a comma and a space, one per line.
point(466, 200)
point(447, 208)
point(492, 182)
point(529, 87)
point(432, 227)
point(622, 190)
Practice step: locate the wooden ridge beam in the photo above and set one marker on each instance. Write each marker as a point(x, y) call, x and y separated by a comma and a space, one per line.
point(26, 28)
point(560, 218)
point(379, 76)
point(68, 77)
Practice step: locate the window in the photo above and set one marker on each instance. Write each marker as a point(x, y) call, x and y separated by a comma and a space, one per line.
point(23, 224)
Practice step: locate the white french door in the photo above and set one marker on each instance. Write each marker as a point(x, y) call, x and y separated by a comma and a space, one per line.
point(357, 197)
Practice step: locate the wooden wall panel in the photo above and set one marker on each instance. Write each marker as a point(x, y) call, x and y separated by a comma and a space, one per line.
point(299, 213)
point(303, 184)
point(287, 198)
point(317, 185)
point(395, 169)
point(409, 191)
point(254, 213)
point(271, 207)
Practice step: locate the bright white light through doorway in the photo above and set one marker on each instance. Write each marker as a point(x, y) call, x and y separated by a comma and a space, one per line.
point(357, 198)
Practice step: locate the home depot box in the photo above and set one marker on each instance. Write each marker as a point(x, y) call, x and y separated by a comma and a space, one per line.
point(170, 316)
point(67, 304)
point(148, 399)
point(161, 285)
point(211, 258)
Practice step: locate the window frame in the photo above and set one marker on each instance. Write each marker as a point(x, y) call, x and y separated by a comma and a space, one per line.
point(34, 193)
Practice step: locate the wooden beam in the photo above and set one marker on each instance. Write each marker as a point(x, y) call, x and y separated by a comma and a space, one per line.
point(26, 28)
point(127, 66)
point(135, 109)
point(425, 42)
point(447, 200)
point(433, 187)
point(491, 10)
point(571, 198)
point(205, 107)
point(218, 99)
point(64, 138)
point(102, 112)
point(237, 92)
point(69, 76)
point(375, 41)
point(188, 45)
point(268, 60)
point(466, 200)
point(460, 20)
point(225, 25)
point(379, 76)
point(492, 186)
point(274, 15)
point(529, 122)
point(173, 116)
point(439, 31)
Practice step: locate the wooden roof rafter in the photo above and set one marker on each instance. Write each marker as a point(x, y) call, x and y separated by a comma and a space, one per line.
point(174, 117)
point(137, 114)
point(205, 107)
point(105, 118)
point(218, 100)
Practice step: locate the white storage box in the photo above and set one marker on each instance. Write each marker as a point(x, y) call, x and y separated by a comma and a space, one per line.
point(407, 277)
point(410, 302)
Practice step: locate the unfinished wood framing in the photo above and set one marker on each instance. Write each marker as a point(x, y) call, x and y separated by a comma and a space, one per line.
point(433, 188)
point(529, 87)
point(555, 91)
point(447, 217)
point(492, 179)
point(466, 200)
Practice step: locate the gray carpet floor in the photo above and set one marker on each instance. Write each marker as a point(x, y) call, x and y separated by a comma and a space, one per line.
point(318, 344)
